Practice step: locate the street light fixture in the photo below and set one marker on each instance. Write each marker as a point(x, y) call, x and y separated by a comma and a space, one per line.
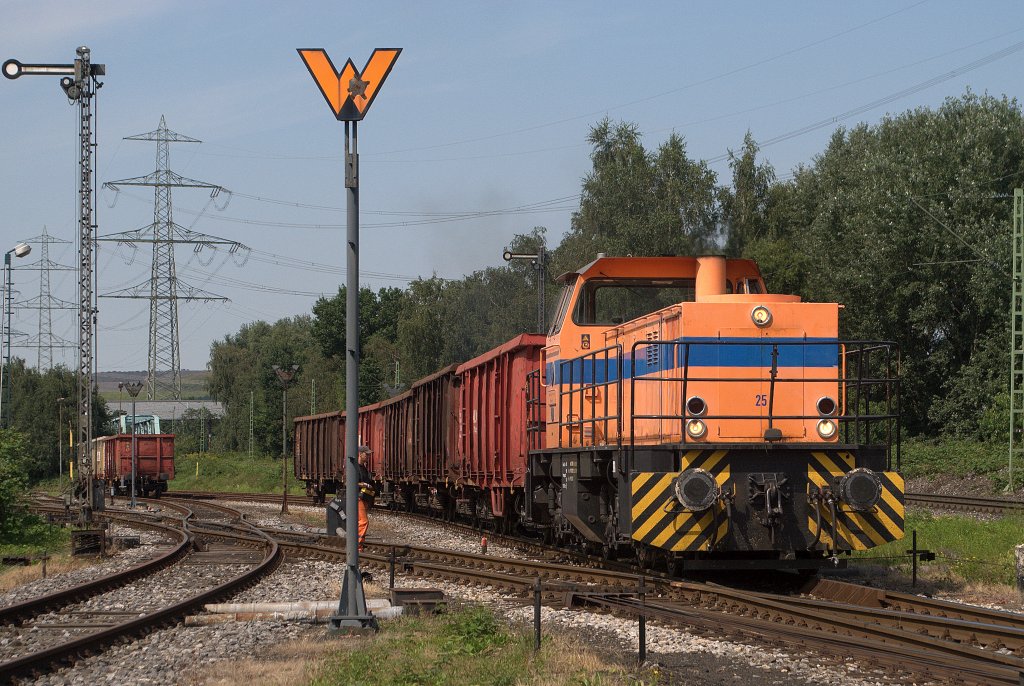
point(20, 250)
point(133, 388)
point(285, 377)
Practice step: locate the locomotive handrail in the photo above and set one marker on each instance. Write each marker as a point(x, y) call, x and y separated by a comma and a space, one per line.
point(610, 364)
point(854, 361)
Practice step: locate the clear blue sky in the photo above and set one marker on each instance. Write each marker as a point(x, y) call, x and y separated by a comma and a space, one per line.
point(485, 115)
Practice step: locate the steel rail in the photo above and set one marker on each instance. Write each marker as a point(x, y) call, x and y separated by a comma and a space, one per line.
point(34, 663)
point(969, 503)
point(19, 612)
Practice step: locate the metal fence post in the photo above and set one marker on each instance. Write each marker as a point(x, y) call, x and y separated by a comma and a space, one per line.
point(642, 591)
point(1019, 551)
point(913, 553)
point(536, 615)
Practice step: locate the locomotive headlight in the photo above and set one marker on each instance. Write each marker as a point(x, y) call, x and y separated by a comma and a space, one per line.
point(826, 428)
point(761, 316)
point(695, 489)
point(696, 407)
point(861, 489)
point(695, 428)
point(827, 406)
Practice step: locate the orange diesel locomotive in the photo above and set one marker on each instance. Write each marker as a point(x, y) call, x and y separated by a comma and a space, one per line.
point(677, 413)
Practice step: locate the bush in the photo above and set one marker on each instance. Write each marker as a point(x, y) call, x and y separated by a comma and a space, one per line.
point(14, 457)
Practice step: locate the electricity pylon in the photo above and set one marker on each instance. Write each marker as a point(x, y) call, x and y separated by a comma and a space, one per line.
point(45, 341)
point(163, 289)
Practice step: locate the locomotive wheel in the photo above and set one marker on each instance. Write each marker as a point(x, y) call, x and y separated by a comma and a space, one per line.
point(673, 566)
point(644, 555)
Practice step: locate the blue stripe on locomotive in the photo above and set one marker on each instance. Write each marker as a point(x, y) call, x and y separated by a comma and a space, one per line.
point(703, 352)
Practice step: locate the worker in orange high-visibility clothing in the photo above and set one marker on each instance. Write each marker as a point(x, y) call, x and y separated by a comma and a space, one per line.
point(366, 493)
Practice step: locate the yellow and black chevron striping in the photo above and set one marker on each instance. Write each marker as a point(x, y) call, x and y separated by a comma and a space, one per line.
point(856, 530)
point(661, 521)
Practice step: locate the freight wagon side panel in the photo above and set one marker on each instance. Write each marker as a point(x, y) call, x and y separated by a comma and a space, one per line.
point(397, 440)
point(493, 440)
point(316, 446)
point(433, 425)
point(102, 455)
point(154, 455)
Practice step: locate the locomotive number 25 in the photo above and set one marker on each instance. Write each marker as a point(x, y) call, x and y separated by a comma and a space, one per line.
point(761, 400)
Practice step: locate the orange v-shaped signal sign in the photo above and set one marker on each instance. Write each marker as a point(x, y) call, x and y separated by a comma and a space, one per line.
point(349, 92)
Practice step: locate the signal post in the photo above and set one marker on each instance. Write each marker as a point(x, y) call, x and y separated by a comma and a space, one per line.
point(349, 94)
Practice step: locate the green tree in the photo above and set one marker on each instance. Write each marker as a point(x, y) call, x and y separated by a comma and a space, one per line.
point(241, 372)
point(640, 203)
point(906, 224)
point(34, 411)
point(745, 205)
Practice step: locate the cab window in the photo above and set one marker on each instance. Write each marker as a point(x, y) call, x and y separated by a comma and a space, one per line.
point(563, 306)
point(610, 302)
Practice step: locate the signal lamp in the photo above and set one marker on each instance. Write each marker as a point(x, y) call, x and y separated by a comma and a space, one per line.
point(696, 406)
point(696, 489)
point(761, 316)
point(827, 406)
point(695, 428)
point(826, 428)
point(861, 489)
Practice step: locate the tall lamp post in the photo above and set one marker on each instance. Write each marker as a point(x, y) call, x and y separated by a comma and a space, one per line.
point(20, 250)
point(285, 377)
point(133, 388)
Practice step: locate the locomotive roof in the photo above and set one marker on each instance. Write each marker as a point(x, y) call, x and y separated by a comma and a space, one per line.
point(657, 267)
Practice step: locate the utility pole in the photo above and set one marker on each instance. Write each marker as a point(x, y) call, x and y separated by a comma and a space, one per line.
point(1016, 335)
point(20, 250)
point(60, 438)
point(252, 420)
point(164, 289)
point(80, 83)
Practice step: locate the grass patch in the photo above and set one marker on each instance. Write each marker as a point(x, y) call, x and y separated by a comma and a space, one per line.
point(33, 536)
point(967, 550)
point(231, 473)
point(463, 646)
point(956, 457)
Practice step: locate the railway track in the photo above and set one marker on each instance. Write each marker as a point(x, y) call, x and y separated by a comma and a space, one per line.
point(901, 633)
point(999, 506)
point(905, 635)
point(85, 622)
